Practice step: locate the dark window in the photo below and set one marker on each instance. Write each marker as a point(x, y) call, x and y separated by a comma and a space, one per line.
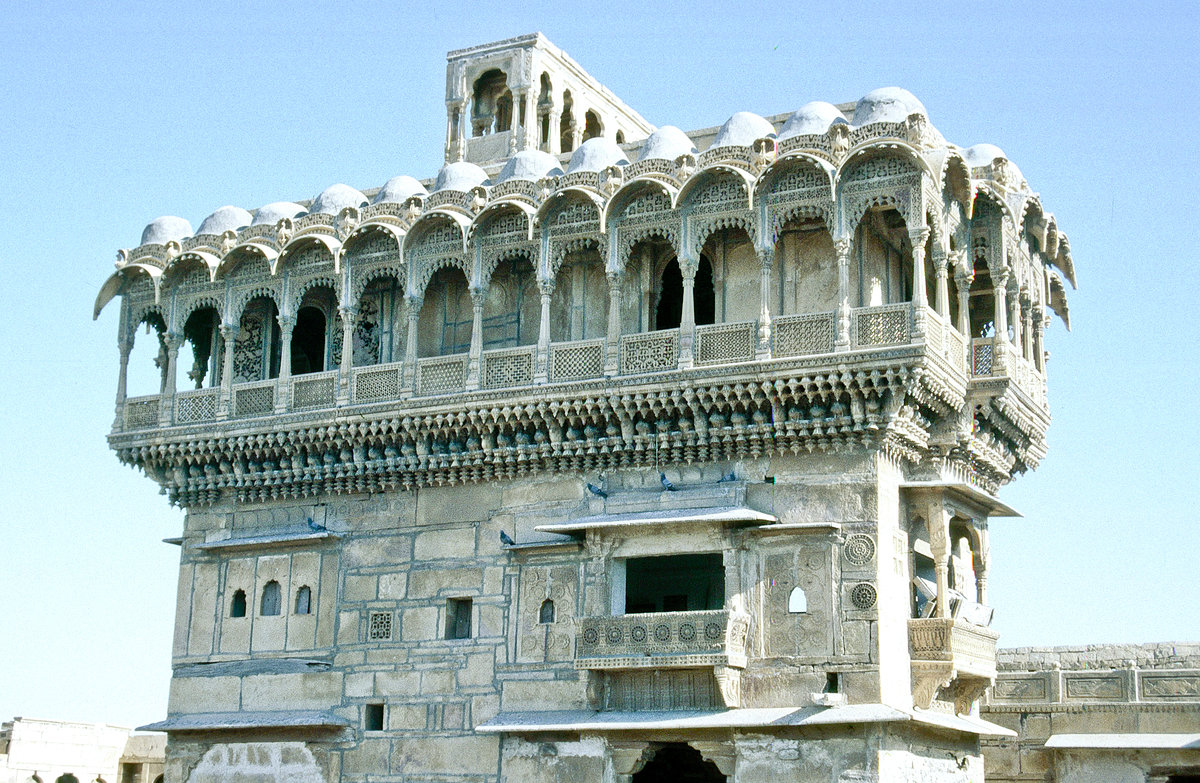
point(131, 773)
point(304, 600)
point(271, 600)
point(678, 762)
point(237, 607)
point(373, 717)
point(66, 778)
point(546, 613)
point(674, 583)
point(458, 618)
point(308, 341)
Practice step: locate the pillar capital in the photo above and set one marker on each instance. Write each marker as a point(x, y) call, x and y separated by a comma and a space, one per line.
point(348, 314)
point(918, 237)
point(286, 323)
point(843, 247)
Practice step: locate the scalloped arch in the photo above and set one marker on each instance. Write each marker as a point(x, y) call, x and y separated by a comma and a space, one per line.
point(245, 297)
point(315, 282)
point(199, 303)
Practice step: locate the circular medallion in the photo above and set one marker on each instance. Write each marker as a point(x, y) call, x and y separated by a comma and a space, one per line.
point(615, 634)
point(859, 549)
point(712, 631)
point(687, 632)
point(638, 633)
point(863, 595)
point(662, 632)
point(590, 635)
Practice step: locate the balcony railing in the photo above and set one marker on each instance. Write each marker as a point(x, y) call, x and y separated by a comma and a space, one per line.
point(971, 649)
point(661, 639)
point(812, 334)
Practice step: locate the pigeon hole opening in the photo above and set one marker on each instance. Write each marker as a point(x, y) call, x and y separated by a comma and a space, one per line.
point(674, 583)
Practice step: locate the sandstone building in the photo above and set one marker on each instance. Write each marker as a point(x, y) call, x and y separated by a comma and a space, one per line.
point(53, 751)
point(612, 452)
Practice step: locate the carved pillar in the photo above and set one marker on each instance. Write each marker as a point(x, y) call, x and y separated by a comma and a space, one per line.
point(125, 348)
point(516, 134)
point(938, 523)
point(918, 238)
point(542, 373)
point(410, 345)
point(1026, 325)
point(687, 319)
point(554, 140)
point(476, 355)
point(349, 317)
point(1000, 320)
point(612, 343)
point(455, 133)
point(766, 261)
point(983, 563)
point(941, 268)
point(843, 247)
point(962, 280)
point(1039, 326)
point(166, 404)
point(225, 401)
point(1014, 313)
point(283, 385)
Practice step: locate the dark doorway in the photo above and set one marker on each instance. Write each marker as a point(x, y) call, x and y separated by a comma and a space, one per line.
point(308, 341)
point(669, 312)
point(678, 763)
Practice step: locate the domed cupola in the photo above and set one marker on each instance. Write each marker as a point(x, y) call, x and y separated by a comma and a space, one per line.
point(887, 104)
point(742, 129)
point(335, 198)
point(811, 119)
point(276, 211)
point(460, 176)
point(226, 219)
point(531, 165)
point(166, 229)
point(666, 143)
point(597, 154)
point(399, 189)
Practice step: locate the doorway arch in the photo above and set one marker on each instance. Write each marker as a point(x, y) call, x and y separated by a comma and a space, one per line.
point(678, 762)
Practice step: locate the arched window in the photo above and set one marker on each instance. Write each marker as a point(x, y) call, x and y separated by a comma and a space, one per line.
point(66, 777)
point(797, 601)
point(566, 123)
point(304, 600)
point(591, 125)
point(308, 341)
point(620, 137)
point(237, 607)
point(269, 606)
point(546, 613)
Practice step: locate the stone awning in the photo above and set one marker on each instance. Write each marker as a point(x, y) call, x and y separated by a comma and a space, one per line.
point(224, 721)
point(267, 542)
point(994, 505)
point(734, 515)
point(748, 718)
point(1124, 741)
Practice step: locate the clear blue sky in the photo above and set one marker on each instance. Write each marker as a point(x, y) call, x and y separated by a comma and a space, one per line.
point(113, 115)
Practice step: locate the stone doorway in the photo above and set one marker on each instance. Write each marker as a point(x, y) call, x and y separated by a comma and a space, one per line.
point(678, 763)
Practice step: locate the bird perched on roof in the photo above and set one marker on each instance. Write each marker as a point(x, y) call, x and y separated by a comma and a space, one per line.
point(666, 482)
point(506, 539)
point(314, 527)
point(597, 491)
point(727, 477)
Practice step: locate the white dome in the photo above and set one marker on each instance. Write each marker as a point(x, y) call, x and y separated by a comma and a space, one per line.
point(596, 155)
point(225, 219)
point(529, 165)
point(666, 143)
point(165, 229)
point(742, 130)
point(335, 198)
point(276, 211)
point(461, 176)
point(813, 118)
point(398, 189)
point(983, 155)
point(887, 104)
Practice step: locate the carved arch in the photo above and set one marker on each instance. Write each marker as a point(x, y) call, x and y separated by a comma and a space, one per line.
point(631, 191)
point(881, 175)
point(305, 242)
point(302, 288)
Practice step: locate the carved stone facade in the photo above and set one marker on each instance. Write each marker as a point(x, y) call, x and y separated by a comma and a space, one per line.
point(679, 449)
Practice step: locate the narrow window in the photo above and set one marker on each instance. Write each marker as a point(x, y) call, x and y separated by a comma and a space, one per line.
point(237, 607)
point(797, 601)
point(270, 600)
point(373, 717)
point(131, 773)
point(833, 682)
point(546, 613)
point(458, 618)
point(304, 600)
point(620, 137)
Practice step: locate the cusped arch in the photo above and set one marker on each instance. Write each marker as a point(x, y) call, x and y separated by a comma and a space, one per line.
point(305, 242)
point(247, 295)
point(797, 186)
point(333, 282)
point(178, 265)
point(436, 240)
point(118, 281)
point(716, 206)
point(363, 273)
point(567, 218)
point(495, 210)
point(714, 173)
point(880, 174)
point(248, 252)
point(194, 304)
point(560, 200)
point(633, 190)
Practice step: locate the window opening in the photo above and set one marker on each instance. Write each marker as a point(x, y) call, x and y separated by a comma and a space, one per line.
point(567, 124)
point(678, 762)
point(304, 600)
point(458, 618)
point(546, 613)
point(674, 583)
point(373, 717)
point(668, 314)
point(308, 341)
point(237, 607)
point(833, 682)
point(66, 777)
point(491, 109)
point(131, 773)
point(797, 601)
point(202, 335)
point(269, 606)
point(148, 357)
point(591, 125)
point(620, 137)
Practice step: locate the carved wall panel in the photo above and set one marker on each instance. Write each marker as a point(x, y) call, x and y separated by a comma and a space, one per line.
point(540, 638)
point(808, 633)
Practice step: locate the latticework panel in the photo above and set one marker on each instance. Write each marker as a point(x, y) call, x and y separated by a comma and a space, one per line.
point(797, 335)
point(372, 384)
point(141, 412)
point(508, 367)
point(725, 343)
point(955, 348)
point(194, 406)
point(981, 357)
point(650, 351)
point(934, 339)
point(442, 374)
point(254, 400)
point(576, 360)
point(881, 326)
point(316, 391)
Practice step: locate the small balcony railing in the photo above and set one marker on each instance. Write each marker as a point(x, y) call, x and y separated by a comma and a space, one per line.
point(970, 649)
point(661, 639)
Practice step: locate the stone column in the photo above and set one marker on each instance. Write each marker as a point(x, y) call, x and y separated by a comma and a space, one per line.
point(766, 261)
point(844, 248)
point(166, 403)
point(941, 268)
point(410, 344)
point(938, 522)
point(612, 344)
point(687, 319)
point(1000, 320)
point(983, 563)
point(917, 239)
point(283, 384)
point(476, 355)
point(516, 130)
point(962, 280)
point(542, 372)
point(1039, 325)
point(554, 142)
point(1026, 325)
point(346, 370)
point(1014, 313)
point(225, 401)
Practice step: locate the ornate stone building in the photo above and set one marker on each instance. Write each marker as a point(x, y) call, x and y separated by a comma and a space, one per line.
point(611, 452)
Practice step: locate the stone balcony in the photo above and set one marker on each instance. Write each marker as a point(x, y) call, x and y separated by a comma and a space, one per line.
point(949, 653)
point(662, 640)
